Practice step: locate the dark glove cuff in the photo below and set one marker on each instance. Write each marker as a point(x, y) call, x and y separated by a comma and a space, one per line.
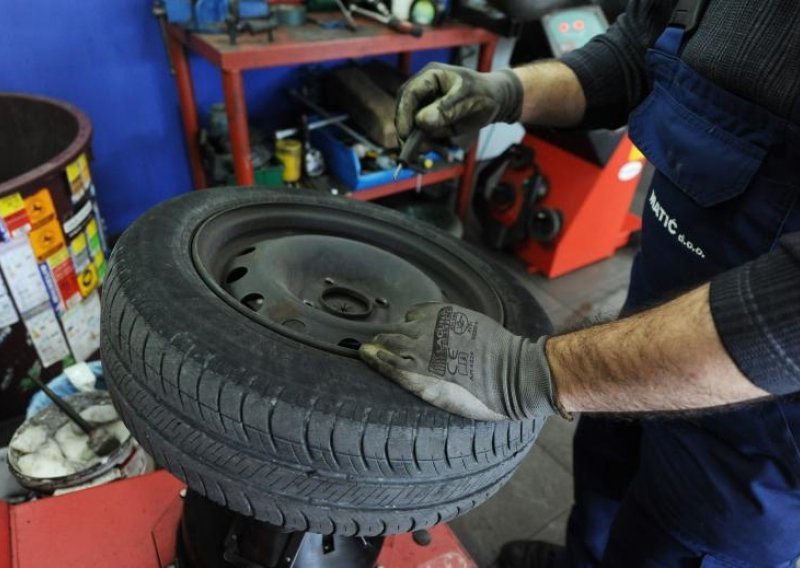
point(510, 96)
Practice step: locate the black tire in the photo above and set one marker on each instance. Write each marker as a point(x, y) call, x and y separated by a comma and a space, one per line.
point(294, 435)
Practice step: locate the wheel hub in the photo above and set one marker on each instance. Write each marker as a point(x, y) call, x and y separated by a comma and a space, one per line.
point(346, 303)
point(332, 288)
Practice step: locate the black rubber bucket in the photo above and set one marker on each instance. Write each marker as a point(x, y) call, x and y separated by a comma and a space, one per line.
point(52, 247)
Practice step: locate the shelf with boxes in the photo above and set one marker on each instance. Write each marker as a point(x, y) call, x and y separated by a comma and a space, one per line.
point(306, 44)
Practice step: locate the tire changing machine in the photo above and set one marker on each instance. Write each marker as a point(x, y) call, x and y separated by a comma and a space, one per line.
point(560, 200)
point(152, 521)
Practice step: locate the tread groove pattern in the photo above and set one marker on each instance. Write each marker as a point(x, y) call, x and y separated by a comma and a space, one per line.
point(248, 441)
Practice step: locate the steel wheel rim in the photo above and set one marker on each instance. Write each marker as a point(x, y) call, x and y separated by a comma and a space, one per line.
point(265, 251)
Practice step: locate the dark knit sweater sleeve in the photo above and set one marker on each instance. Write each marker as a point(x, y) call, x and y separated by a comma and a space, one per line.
point(611, 67)
point(756, 309)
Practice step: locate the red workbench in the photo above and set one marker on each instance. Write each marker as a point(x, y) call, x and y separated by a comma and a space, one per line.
point(310, 44)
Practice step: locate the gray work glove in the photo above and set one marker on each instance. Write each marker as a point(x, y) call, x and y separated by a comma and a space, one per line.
point(445, 100)
point(466, 363)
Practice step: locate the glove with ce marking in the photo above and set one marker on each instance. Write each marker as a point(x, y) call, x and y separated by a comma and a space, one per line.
point(466, 363)
point(445, 100)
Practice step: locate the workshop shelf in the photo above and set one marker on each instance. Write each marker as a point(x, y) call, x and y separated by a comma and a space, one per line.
point(305, 44)
point(420, 180)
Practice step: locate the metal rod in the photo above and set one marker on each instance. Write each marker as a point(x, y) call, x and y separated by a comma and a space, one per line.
point(286, 132)
point(160, 12)
point(322, 112)
point(63, 405)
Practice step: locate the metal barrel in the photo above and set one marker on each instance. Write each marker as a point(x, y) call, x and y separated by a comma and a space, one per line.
point(52, 244)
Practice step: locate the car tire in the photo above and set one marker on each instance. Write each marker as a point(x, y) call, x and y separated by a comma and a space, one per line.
point(294, 433)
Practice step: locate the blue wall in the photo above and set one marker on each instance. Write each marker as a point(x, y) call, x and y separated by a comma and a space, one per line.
point(106, 56)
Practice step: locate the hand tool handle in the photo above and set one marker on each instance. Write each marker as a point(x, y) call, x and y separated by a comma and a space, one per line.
point(404, 27)
point(63, 405)
point(409, 151)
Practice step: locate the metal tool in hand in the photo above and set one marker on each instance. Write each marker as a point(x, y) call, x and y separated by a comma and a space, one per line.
point(409, 151)
point(100, 441)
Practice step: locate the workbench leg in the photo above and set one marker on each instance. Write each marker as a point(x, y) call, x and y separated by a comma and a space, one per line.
point(235, 106)
point(404, 62)
point(191, 122)
point(485, 56)
point(467, 180)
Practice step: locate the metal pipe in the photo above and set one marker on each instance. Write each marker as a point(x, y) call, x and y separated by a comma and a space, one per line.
point(322, 112)
point(286, 132)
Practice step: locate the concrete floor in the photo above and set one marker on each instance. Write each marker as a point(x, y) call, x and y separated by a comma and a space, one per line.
point(535, 504)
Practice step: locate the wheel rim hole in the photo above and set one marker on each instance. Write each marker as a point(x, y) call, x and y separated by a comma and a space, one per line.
point(382, 302)
point(329, 281)
point(350, 343)
point(308, 303)
point(236, 274)
point(248, 250)
point(253, 301)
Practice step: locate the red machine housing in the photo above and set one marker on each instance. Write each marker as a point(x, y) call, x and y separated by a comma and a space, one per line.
point(133, 523)
point(594, 202)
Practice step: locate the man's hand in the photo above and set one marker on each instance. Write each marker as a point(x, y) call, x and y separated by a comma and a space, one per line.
point(465, 363)
point(445, 100)
point(667, 358)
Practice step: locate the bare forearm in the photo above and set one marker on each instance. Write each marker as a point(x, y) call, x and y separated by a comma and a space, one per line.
point(666, 358)
point(553, 94)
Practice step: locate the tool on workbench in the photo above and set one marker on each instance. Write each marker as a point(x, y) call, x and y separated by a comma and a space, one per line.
point(290, 15)
point(377, 6)
point(215, 16)
point(351, 23)
point(328, 24)
point(232, 21)
point(240, 16)
point(391, 21)
point(409, 151)
point(260, 25)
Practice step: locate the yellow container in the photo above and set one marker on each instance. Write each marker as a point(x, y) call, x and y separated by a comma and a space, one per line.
point(290, 152)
